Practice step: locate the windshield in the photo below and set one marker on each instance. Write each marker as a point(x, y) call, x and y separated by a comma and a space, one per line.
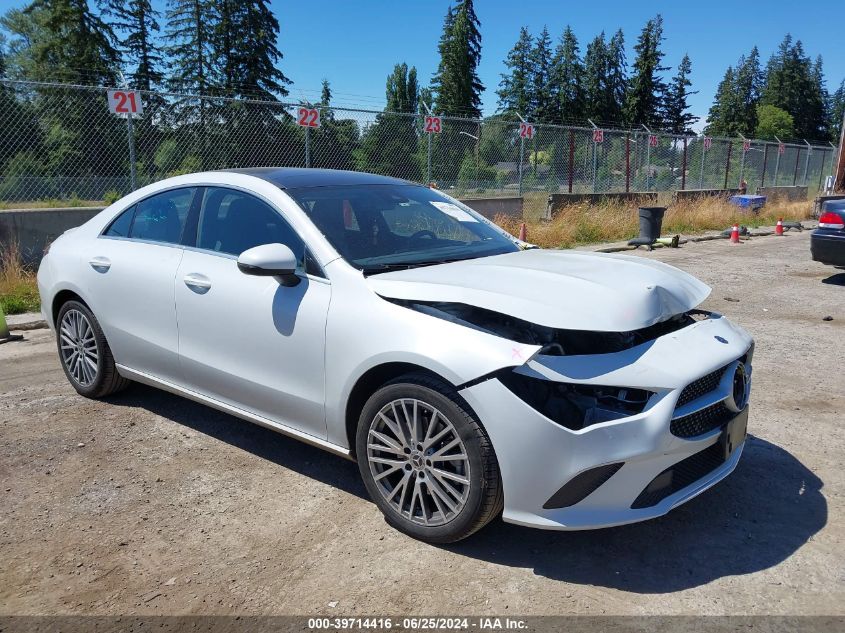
point(383, 227)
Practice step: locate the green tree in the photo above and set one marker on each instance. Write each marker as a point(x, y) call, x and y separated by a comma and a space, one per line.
point(644, 100)
point(137, 24)
point(773, 122)
point(794, 85)
point(603, 79)
point(515, 88)
point(676, 116)
point(456, 81)
point(192, 59)
point(566, 78)
point(836, 110)
point(734, 109)
point(543, 105)
point(389, 145)
point(245, 42)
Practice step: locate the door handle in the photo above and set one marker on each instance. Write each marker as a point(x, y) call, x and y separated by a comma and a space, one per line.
point(100, 264)
point(198, 283)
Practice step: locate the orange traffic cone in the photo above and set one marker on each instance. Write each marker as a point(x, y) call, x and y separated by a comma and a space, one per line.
point(779, 228)
point(523, 233)
point(735, 234)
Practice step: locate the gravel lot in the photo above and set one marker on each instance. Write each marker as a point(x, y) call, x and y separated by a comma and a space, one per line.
point(150, 504)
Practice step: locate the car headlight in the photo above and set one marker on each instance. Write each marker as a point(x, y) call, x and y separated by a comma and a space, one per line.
point(575, 406)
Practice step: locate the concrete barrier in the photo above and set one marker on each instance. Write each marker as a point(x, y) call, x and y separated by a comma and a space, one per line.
point(558, 200)
point(33, 229)
point(491, 207)
point(697, 194)
point(792, 194)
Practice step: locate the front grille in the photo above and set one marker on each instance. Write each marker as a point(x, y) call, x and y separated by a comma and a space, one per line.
point(680, 475)
point(701, 421)
point(700, 387)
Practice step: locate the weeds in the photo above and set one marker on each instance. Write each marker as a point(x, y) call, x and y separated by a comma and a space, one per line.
point(18, 288)
point(584, 223)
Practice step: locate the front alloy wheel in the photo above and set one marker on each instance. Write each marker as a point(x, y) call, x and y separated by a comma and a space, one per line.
point(426, 460)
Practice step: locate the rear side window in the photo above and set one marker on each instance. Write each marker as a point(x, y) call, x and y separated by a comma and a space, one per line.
point(121, 225)
point(232, 222)
point(161, 218)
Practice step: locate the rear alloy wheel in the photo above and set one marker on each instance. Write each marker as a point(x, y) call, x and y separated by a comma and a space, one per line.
point(426, 461)
point(86, 357)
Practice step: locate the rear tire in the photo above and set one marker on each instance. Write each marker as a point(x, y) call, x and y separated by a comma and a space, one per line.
point(85, 354)
point(426, 460)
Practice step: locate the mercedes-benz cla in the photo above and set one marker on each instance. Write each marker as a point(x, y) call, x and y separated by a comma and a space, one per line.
point(469, 374)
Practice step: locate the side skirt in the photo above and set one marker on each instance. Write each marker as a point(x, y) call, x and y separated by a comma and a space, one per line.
point(313, 440)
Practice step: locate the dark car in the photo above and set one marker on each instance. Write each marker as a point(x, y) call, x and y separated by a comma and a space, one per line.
point(827, 243)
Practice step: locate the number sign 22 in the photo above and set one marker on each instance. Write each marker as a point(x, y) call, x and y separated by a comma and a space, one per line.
point(308, 117)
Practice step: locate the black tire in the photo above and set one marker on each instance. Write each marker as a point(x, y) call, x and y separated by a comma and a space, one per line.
point(485, 497)
point(106, 380)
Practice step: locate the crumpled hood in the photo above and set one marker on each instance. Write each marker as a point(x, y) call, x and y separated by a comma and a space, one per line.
point(570, 290)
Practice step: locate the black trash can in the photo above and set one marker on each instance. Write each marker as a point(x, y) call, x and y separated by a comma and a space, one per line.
point(651, 221)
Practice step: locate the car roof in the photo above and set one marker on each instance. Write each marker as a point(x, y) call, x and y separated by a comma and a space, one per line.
point(300, 177)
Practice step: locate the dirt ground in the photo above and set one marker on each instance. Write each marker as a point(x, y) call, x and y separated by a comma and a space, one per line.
point(150, 504)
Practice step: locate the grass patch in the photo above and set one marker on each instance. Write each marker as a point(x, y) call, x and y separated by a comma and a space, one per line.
point(585, 223)
point(18, 288)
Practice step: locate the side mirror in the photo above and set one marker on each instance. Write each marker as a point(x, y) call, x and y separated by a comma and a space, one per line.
point(270, 260)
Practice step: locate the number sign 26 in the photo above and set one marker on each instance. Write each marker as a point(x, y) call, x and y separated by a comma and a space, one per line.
point(125, 102)
point(308, 117)
point(433, 125)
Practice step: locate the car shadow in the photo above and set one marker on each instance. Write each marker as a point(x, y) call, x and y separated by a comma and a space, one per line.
point(261, 442)
point(756, 518)
point(837, 279)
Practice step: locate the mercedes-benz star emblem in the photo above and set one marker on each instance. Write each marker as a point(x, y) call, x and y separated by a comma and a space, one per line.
point(739, 392)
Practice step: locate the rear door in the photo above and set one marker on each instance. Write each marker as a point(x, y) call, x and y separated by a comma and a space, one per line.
point(249, 341)
point(132, 266)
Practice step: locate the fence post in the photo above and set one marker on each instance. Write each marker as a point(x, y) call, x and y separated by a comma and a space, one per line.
point(795, 175)
point(132, 168)
point(701, 177)
point(684, 167)
point(308, 147)
point(627, 162)
point(571, 158)
point(807, 162)
point(765, 162)
point(647, 159)
point(521, 153)
point(821, 171)
point(728, 163)
point(777, 162)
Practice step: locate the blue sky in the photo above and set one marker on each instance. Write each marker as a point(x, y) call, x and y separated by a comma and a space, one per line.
point(354, 44)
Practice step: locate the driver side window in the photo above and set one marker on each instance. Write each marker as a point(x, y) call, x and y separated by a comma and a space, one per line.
point(232, 221)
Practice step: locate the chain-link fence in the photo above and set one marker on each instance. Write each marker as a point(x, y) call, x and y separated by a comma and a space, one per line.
point(61, 142)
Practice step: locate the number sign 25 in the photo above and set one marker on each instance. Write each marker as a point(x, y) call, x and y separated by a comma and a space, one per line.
point(308, 117)
point(433, 125)
point(125, 102)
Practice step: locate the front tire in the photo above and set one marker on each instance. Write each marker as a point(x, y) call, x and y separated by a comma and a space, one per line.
point(426, 460)
point(85, 354)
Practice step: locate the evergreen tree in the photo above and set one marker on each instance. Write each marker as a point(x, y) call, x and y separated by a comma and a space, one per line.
point(644, 100)
point(190, 30)
point(793, 85)
point(245, 44)
point(335, 141)
point(617, 75)
point(542, 104)
point(676, 116)
point(604, 74)
point(748, 83)
point(456, 81)
point(389, 146)
point(75, 44)
point(725, 117)
point(137, 23)
point(515, 91)
point(566, 79)
point(836, 109)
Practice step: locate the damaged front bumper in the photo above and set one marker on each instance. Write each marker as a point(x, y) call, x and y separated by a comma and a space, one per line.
point(689, 435)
